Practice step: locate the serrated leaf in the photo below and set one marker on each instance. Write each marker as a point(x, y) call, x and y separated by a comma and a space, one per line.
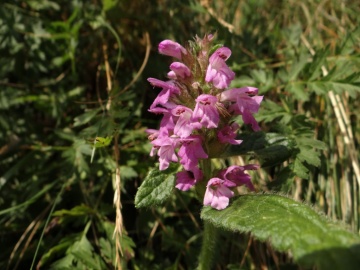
point(298, 90)
point(309, 155)
point(290, 226)
point(311, 142)
point(259, 75)
point(270, 148)
point(317, 87)
point(300, 169)
point(156, 188)
point(317, 63)
point(79, 210)
point(283, 180)
point(298, 66)
point(83, 251)
point(339, 87)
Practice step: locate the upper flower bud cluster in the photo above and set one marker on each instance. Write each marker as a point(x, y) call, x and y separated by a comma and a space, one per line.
point(198, 109)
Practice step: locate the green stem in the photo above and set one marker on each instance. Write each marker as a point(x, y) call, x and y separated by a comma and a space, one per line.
point(210, 234)
point(200, 188)
point(209, 246)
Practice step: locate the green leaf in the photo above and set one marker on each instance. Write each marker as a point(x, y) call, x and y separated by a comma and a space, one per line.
point(310, 156)
point(318, 61)
point(79, 210)
point(85, 117)
point(300, 169)
point(318, 87)
point(100, 142)
point(270, 148)
point(156, 188)
point(298, 66)
point(297, 89)
point(109, 4)
point(290, 226)
point(83, 251)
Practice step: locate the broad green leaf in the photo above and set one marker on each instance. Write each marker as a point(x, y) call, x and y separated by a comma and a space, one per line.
point(156, 188)
point(290, 226)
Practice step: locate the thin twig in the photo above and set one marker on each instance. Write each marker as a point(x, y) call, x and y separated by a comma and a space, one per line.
point(143, 65)
point(206, 5)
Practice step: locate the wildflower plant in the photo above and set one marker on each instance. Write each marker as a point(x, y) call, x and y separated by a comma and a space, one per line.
point(198, 110)
point(200, 121)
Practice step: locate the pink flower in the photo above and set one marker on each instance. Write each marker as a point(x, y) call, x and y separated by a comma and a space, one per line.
point(164, 85)
point(218, 72)
point(206, 111)
point(183, 127)
point(166, 150)
point(161, 103)
point(153, 134)
point(236, 176)
point(171, 48)
point(228, 133)
point(180, 70)
point(186, 179)
point(243, 101)
point(217, 194)
point(191, 151)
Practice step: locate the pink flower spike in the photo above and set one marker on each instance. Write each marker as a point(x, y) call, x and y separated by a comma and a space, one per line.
point(180, 70)
point(187, 179)
point(228, 134)
point(171, 48)
point(217, 194)
point(206, 111)
point(218, 72)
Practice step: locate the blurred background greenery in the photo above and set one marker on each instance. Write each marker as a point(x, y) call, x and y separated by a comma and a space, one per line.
point(71, 71)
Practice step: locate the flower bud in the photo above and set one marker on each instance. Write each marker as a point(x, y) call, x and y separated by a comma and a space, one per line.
point(171, 48)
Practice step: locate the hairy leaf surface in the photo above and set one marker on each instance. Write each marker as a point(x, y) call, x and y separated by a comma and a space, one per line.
point(290, 226)
point(156, 188)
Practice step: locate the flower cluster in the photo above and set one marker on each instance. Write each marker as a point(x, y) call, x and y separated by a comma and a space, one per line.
point(198, 111)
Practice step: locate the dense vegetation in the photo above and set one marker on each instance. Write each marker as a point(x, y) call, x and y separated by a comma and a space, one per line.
point(74, 109)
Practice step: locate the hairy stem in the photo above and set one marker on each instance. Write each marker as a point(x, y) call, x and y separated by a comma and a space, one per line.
point(209, 246)
point(210, 234)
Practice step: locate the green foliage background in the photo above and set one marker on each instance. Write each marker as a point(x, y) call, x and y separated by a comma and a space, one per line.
point(74, 70)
